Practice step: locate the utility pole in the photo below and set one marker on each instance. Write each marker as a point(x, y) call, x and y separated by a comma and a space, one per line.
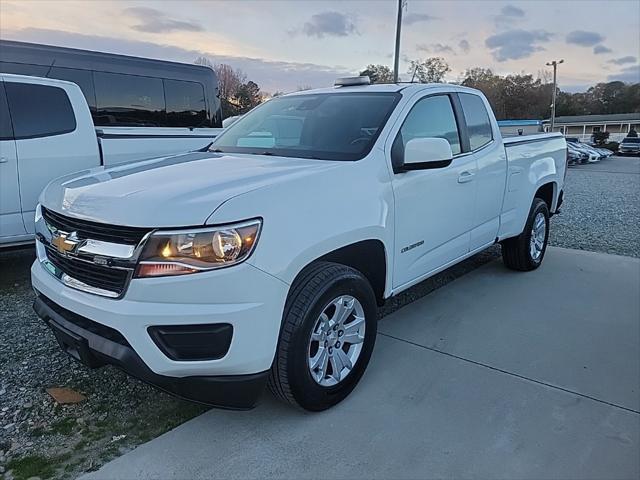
point(554, 64)
point(396, 59)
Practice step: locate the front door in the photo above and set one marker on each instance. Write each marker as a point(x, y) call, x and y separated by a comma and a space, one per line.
point(11, 224)
point(434, 208)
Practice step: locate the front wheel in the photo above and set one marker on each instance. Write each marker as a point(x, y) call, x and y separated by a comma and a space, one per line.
point(526, 251)
point(327, 336)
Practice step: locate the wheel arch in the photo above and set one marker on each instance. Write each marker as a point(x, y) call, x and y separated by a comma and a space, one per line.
point(369, 257)
point(547, 191)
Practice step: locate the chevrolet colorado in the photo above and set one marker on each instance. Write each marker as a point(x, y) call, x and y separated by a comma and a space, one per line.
point(263, 260)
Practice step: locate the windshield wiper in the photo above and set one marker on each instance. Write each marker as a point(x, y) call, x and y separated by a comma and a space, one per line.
point(217, 150)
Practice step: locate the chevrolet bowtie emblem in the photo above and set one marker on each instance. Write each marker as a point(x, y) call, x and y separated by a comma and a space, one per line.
point(63, 242)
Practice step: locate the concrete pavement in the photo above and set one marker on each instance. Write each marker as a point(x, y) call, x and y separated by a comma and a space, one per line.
point(498, 374)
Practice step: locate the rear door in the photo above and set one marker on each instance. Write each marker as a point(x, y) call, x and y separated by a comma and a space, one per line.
point(10, 214)
point(50, 141)
point(491, 160)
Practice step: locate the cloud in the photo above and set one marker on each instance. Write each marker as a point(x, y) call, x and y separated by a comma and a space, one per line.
point(333, 24)
point(627, 75)
point(411, 18)
point(155, 21)
point(509, 14)
point(623, 60)
point(435, 48)
point(271, 75)
point(516, 44)
point(584, 38)
point(464, 45)
point(512, 11)
point(598, 49)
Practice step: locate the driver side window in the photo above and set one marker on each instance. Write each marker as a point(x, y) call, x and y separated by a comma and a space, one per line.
point(430, 117)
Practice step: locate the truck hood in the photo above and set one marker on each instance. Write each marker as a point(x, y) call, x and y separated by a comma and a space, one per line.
point(182, 190)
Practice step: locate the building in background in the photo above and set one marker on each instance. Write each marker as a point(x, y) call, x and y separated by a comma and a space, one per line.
point(584, 126)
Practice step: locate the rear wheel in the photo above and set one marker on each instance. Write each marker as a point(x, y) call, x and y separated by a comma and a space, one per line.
point(328, 334)
point(526, 251)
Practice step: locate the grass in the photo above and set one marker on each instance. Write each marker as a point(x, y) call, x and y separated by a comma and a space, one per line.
point(35, 466)
point(63, 427)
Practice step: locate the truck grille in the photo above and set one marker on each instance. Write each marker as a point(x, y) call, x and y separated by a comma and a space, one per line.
point(98, 273)
point(96, 231)
point(98, 276)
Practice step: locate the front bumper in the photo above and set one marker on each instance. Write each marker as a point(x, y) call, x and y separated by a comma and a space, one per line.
point(95, 346)
point(249, 300)
point(628, 151)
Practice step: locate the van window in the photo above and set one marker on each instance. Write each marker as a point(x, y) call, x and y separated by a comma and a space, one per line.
point(430, 117)
point(39, 110)
point(185, 104)
point(128, 100)
point(23, 69)
point(477, 118)
point(82, 78)
point(6, 130)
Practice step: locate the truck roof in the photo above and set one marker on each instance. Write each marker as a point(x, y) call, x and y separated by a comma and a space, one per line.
point(387, 87)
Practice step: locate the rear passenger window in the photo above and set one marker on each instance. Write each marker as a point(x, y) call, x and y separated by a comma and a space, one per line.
point(477, 118)
point(82, 78)
point(39, 110)
point(185, 104)
point(23, 69)
point(128, 100)
point(6, 130)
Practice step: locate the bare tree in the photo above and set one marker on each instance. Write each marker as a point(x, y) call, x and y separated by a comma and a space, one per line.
point(229, 80)
point(431, 70)
point(204, 61)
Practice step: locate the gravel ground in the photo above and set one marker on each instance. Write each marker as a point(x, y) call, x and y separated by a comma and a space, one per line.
point(601, 212)
point(40, 438)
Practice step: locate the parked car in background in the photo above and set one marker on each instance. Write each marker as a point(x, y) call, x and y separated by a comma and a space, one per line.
point(141, 107)
point(591, 155)
point(629, 146)
point(263, 260)
point(46, 131)
point(605, 152)
point(576, 156)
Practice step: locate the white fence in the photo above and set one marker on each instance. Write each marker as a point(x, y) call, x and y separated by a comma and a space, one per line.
point(613, 137)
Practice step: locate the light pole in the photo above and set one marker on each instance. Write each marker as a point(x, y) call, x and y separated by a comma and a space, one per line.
point(396, 58)
point(554, 64)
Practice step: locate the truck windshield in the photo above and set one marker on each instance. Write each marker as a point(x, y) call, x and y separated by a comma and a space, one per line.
point(326, 126)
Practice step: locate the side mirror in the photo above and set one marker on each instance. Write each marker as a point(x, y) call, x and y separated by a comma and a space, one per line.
point(425, 153)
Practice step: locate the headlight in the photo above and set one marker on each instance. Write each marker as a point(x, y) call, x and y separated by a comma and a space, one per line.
point(180, 252)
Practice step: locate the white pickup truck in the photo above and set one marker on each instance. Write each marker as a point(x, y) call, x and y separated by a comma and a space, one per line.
point(263, 260)
point(46, 131)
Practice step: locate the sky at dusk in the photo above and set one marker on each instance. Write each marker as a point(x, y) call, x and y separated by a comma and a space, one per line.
point(283, 45)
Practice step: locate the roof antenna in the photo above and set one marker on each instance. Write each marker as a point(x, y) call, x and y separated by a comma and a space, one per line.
point(415, 70)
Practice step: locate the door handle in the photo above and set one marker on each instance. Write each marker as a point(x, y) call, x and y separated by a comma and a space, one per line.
point(4, 159)
point(465, 177)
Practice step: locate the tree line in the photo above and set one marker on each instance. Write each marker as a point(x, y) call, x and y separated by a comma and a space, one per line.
point(522, 96)
point(237, 94)
point(515, 96)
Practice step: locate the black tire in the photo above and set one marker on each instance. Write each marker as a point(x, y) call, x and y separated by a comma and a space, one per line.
point(315, 288)
point(516, 253)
